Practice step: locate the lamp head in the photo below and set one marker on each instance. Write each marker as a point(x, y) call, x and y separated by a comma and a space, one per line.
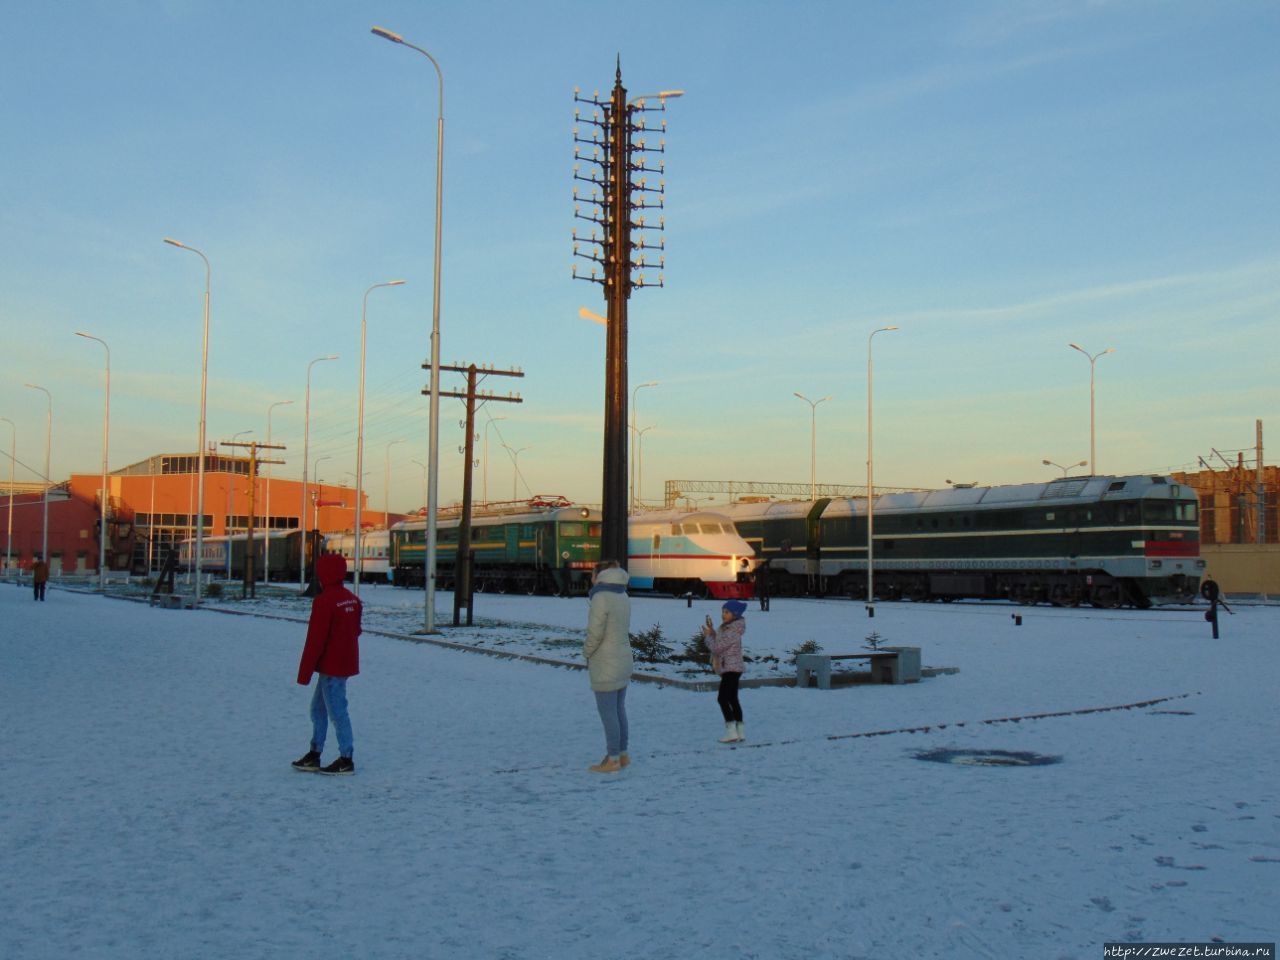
point(394, 283)
point(670, 94)
point(175, 243)
point(387, 34)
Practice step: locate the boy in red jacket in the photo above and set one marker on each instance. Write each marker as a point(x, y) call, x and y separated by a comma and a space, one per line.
point(333, 652)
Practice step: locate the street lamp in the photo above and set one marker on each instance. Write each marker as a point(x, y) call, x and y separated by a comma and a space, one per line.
point(433, 453)
point(106, 430)
point(319, 493)
point(306, 451)
point(1070, 466)
point(364, 308)
point(640, 386)
point(266, 520)
point(813, 443)
point(871, 493)
point(490, 422)
point(1093, 359)
point(515, 467)
point(386, 487)
point(48, 442)
point(13, 455)
point(424, 482)
point(204, 383)
point(639, 440)
point(231, 474)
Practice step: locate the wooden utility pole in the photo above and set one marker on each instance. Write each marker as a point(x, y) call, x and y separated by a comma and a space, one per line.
point(248, 587)
point(463, 586)
point(619, 196)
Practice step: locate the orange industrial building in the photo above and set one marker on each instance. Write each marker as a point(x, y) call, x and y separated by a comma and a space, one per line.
point(151, 505)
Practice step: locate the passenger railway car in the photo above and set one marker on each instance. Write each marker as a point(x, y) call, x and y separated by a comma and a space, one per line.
point(1107, 541)
point(375, 551)
point(284, 554)
point(550, 548)
point(699, 553)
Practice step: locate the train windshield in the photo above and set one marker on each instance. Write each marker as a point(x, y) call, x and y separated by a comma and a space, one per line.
point(709, 528)
point(1164, 511)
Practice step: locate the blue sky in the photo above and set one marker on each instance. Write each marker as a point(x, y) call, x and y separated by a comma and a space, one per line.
point(996, 179)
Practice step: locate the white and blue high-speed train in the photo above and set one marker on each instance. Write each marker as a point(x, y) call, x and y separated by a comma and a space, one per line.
point(680, 552)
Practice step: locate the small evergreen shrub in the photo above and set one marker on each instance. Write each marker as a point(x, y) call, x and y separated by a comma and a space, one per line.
point(213, 590)
point(651, 646)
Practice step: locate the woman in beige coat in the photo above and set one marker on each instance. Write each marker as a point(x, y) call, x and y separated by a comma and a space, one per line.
point(608, 653)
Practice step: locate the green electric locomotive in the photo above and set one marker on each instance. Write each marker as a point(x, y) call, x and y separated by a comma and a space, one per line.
point(544, 546)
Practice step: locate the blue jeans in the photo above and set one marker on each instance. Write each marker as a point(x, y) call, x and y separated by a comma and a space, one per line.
point(329, 702)
point(612, 705)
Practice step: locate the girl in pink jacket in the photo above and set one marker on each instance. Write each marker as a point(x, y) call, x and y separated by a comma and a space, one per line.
point(725, 645)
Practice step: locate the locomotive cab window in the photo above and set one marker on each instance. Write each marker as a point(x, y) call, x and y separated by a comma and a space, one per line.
point(709, 527)
point(572, 529)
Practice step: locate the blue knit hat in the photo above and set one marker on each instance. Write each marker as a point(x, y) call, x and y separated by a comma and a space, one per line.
point(735, 607)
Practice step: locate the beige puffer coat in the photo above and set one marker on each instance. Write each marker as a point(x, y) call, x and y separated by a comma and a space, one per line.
point(608, 644)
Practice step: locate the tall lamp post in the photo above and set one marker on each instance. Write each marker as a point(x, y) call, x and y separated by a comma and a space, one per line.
point(1064, 469)
point(364, 309)
point(488, 423)
point(813, 443)
point(639, 439)
point(48, 443)
point(106, 432)
point(386, 486)
point(433, 453)
point(266, 520)
point(13, 454)
point(871, 490)
point(306, 451)
point(631, 499)
point(319, 490)
point(515, 467)
point(424, 482)
point(1093, 360)
point(204, 385)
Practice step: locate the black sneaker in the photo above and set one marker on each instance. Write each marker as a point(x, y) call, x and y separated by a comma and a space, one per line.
point(308, 764)
point(343, 766)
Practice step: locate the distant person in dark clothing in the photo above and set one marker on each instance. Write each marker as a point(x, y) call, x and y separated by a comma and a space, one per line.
point(332, 652)
point(39, 577)
point(762, 585)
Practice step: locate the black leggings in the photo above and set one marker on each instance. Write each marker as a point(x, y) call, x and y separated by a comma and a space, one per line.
point(728, 697)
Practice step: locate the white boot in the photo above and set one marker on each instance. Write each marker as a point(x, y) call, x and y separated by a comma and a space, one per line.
point(730, 732)
point(742, 734)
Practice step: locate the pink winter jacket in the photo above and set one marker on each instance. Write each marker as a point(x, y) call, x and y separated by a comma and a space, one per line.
point(726, 644)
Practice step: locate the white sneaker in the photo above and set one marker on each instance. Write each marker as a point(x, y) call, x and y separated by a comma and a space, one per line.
point(730, 733)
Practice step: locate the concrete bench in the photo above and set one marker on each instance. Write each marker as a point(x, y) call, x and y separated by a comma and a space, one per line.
point(888, 665)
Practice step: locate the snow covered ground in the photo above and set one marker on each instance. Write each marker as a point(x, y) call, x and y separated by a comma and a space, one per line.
point(150, 811)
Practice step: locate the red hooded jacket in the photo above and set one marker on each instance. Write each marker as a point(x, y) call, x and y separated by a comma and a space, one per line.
point(333, 645)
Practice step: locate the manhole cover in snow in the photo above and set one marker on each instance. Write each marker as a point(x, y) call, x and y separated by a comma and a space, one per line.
point(988, 758)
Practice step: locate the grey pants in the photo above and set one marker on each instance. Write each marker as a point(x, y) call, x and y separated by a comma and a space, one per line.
point(612, 705)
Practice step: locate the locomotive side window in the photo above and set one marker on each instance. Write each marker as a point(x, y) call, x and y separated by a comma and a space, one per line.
point(1185, 511)
point(657, 540)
